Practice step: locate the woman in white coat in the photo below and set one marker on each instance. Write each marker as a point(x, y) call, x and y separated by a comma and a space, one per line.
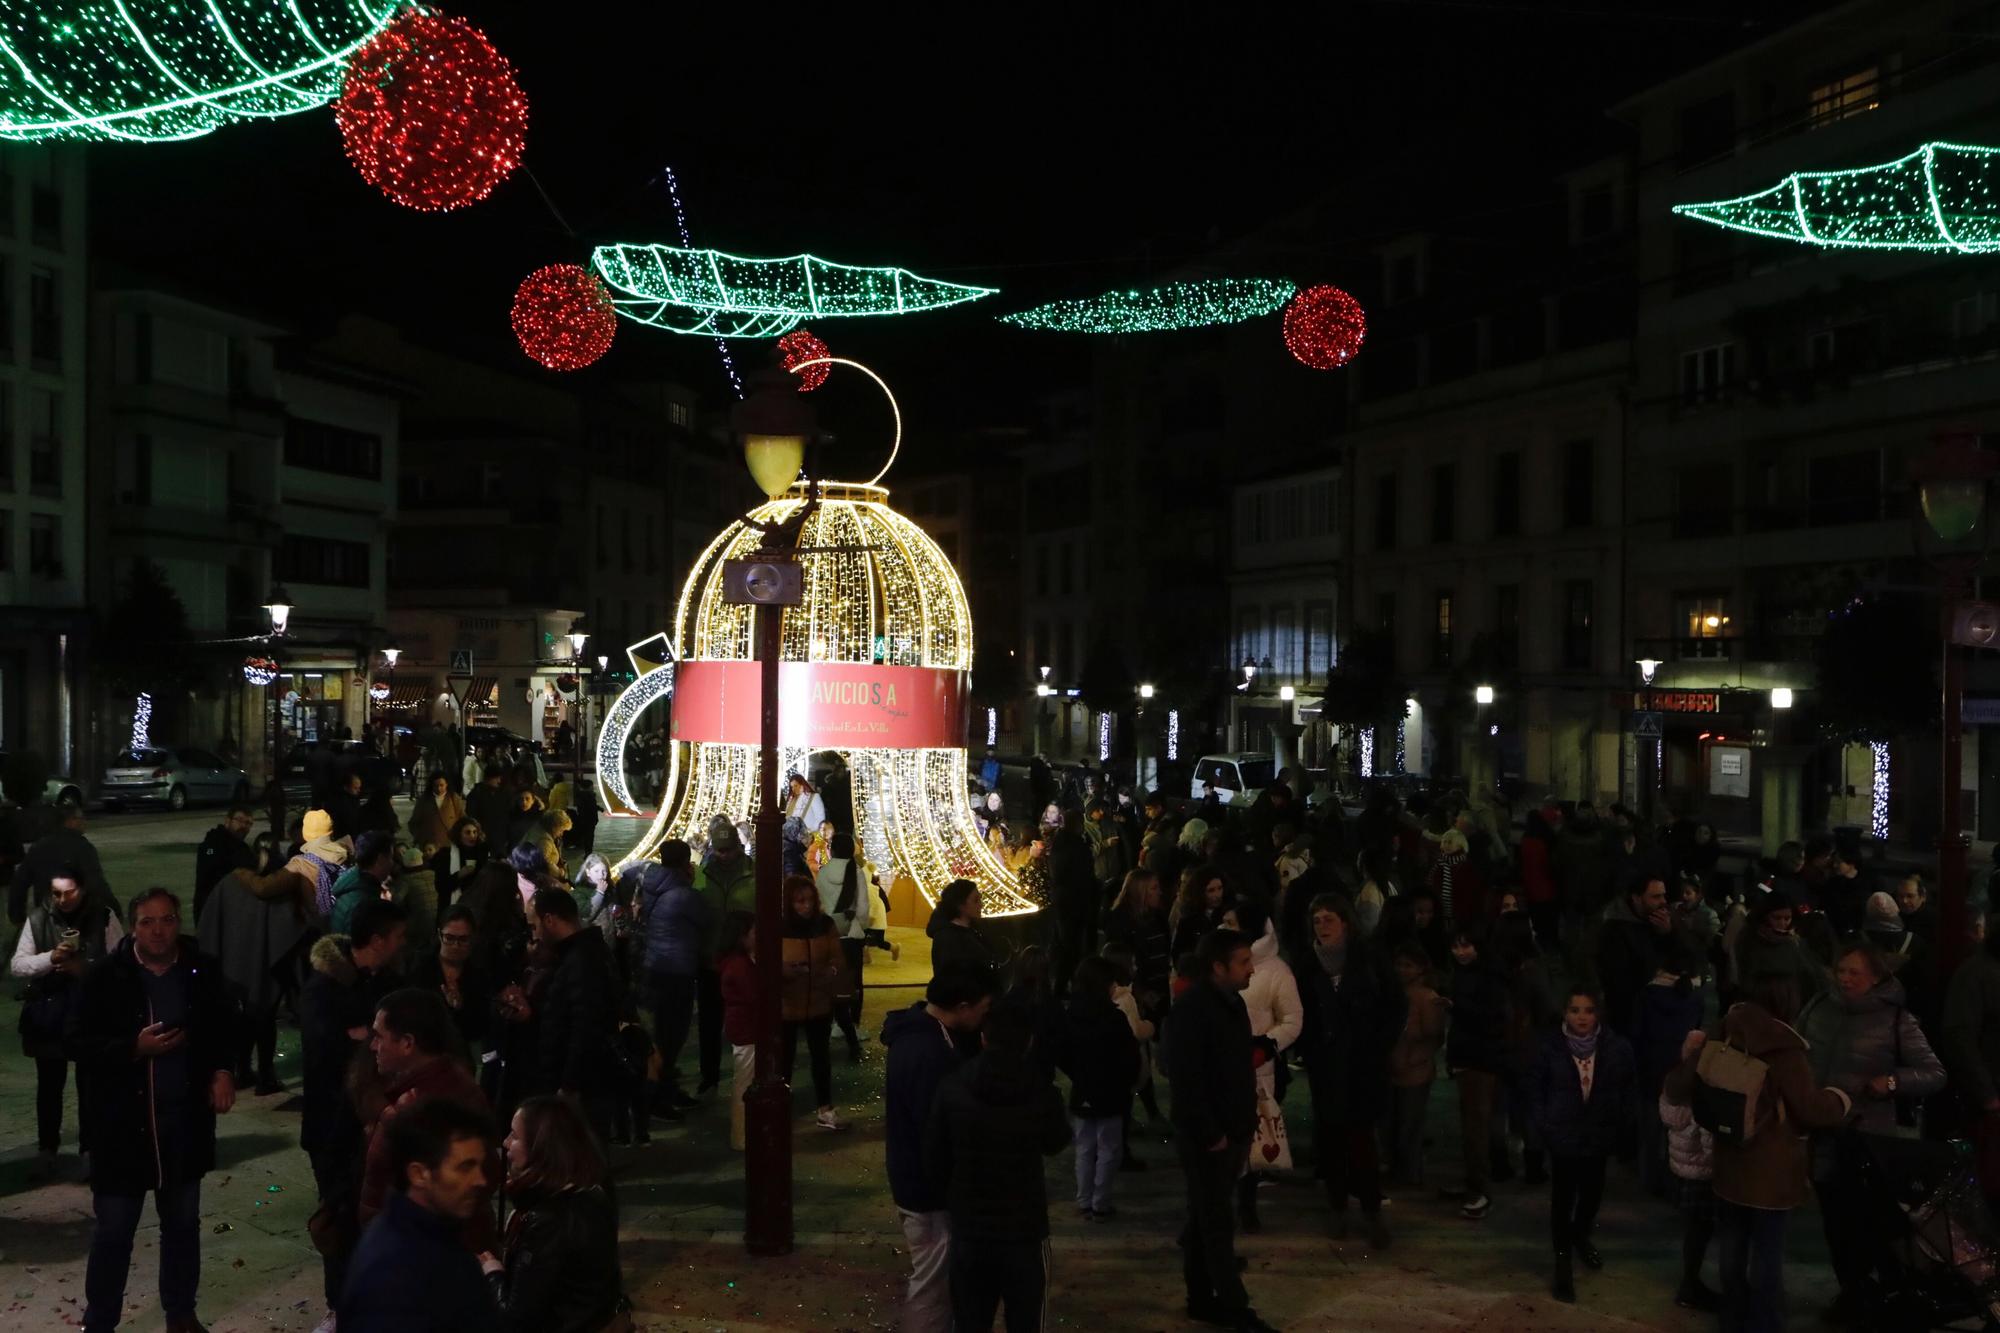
point(846, 895)
point(1276, 1020)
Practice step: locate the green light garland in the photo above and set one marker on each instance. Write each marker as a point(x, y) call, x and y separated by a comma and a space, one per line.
point(1943, 196)
point(717, 295)
point(146, 71)
point(1174, 305)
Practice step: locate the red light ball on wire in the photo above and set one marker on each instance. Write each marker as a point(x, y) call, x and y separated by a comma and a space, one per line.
point(563, 316)
point(802, 345)
point(431, 113)
point(1324, 327)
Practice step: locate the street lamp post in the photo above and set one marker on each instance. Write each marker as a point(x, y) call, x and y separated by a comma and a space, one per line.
point(1139, 743)
point(1952, 480)
point(773, 426)
point(1649, 755)
point(278, 606)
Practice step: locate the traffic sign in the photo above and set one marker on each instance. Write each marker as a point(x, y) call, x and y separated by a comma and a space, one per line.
point(1646, 726)
point(461, 662)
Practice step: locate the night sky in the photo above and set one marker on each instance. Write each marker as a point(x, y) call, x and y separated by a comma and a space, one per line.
point(1012, 146)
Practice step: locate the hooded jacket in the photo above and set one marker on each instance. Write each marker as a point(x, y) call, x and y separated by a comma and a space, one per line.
point(921, 1054)
point(676, 921)
point(1272, 998)
point(992, 1123)
point(727, 886)
point(1853, 1041)
point(1770, 1171)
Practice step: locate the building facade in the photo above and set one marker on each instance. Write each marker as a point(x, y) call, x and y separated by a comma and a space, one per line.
point(1287, 537)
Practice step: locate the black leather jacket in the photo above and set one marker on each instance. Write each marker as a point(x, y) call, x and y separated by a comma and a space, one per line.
point(562, 1265)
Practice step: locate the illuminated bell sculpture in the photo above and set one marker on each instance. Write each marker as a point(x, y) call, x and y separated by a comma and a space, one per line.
point(874, 666)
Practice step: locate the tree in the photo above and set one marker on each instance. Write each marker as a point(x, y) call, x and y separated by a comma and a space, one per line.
point(146, 648)
point(1364, 688)
point(1877, 670)
point(1106, 683)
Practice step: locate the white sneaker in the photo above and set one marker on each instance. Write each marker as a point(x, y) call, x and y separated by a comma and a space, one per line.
point(325, 1325)
point(828, 1120)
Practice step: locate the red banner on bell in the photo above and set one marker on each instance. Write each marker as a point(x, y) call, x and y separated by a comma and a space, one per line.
point(823, 705)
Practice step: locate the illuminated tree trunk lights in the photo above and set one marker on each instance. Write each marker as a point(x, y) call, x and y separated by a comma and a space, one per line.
point(142, 722)
point(1368, 752)
point(897, 716)
point(1878, 811)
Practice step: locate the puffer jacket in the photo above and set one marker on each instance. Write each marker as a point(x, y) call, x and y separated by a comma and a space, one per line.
point(1272, 997)
point(1853, 1041)
point(992, 1123)
point(815, 971)
point(1769, 1171)
point(1572, 1125)
point(676, 920)
point(1690, 1148)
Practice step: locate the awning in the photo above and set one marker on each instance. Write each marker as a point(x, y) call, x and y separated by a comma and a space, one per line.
point(409, 693)
point(481, 691)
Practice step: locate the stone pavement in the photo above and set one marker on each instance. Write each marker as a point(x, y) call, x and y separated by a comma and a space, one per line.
point(682, 1219)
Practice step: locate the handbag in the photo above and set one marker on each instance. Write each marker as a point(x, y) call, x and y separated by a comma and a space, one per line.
point(1270, 1147)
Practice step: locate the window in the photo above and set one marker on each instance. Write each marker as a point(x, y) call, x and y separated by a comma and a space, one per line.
point(1707, 131)
point(1249, 636)
point(1704, 257)
point(6, 541)
point(6, 304)
point(323, 560)
point(625, 544)
point(1066, 661)
point(1441, 637)
point(1039, 650)
point(1702, 620)
point(1970, 315)
point(652, 549)
point(44, 316)
point(1041, 571)
point(1706, 373)
point(1850, 94)
point(1596, 213)
point(45, 546)
point(1844, 488)
point(1385, 615)
point(1507, 494)
point(45, 216)
point(45, 442)
point(1579, 484)
point(1319, 638)
point(1287, 652)
point(6, 436)
point(1576, 627)
point(680, 414)
point(137, 487)
point(1444, 501)
point(1385, 512)
point(1066, 569)
point(489, 485)
point(602, 528)
point(1507, 624)
point(1704, 500)
point(318, 447)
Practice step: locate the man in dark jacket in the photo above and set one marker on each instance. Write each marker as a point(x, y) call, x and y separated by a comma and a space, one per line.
point(350, 974)
point(923, 1043)
point(676, 921)
point(226, 848)
point(579, 1009)
point(1077, 893)
point(412, 1272)
point(61, 846)
point(991, 1125)
point(416, 1056)
point(155, 1035)
point(1631, 943)
point(491, 803)
point(1215, 1116)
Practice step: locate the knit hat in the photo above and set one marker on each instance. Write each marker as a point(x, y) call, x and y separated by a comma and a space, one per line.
point(318, 824)
point(1882, 913)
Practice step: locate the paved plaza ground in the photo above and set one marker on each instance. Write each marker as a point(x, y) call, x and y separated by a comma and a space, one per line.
point(682, 1216)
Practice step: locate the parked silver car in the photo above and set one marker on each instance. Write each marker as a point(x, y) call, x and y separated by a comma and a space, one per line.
point(58, 790)
point(174, 775)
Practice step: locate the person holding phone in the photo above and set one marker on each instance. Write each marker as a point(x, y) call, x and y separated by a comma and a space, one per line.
point(62, 940)
point(155, 1039)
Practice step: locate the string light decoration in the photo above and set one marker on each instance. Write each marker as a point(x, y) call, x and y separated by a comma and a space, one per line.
point(146, 71)
point(1196, 304)
point(431, 114)
point(619, 720)
point(1103, 737)
point(259, 671)
point(562, 316)
point(713, 294)
point(1942, 196)
point(1173, 733)
point(992, 726)
point(876, 590)
point(1402, 757)
point(1324, 327)
point(379, 691)
point(799, 346)
point(1878, 809)
point(1368, 752)
point(687, 240)
point(142, 722)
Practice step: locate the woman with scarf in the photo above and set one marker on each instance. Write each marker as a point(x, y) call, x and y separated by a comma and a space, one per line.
point(1581, 1096)
point(558, 1271)
point(1353, 1016)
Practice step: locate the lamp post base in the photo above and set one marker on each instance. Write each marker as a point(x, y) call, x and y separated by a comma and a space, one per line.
point(767, 1167)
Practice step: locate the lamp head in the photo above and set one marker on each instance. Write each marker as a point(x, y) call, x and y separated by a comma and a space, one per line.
point(1482, 694)
point(1145, 691)
point(278, 605)
point(774, 424)
point(1781, 697)
point(390, 654)
point(1648, 666)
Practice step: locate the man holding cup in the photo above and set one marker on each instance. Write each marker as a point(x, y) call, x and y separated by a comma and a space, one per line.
point(62, 940)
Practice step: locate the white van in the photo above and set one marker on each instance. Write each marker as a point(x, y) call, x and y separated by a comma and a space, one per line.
point(1234, 778)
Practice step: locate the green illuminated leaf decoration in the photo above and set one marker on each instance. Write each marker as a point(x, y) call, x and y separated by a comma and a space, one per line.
point(1194, 304)
point(1943, 196)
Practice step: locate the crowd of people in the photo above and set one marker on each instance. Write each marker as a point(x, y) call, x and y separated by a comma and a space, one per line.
point(479, 1023)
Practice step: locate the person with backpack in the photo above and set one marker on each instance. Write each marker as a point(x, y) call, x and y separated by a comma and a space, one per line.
point(1580, 1094)
point(1864, 1040)
point(1754, 1091)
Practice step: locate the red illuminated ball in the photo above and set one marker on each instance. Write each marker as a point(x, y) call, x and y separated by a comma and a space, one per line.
point(1324, 327)
point(431, 113)
point(563, 316)
point(801, 345)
